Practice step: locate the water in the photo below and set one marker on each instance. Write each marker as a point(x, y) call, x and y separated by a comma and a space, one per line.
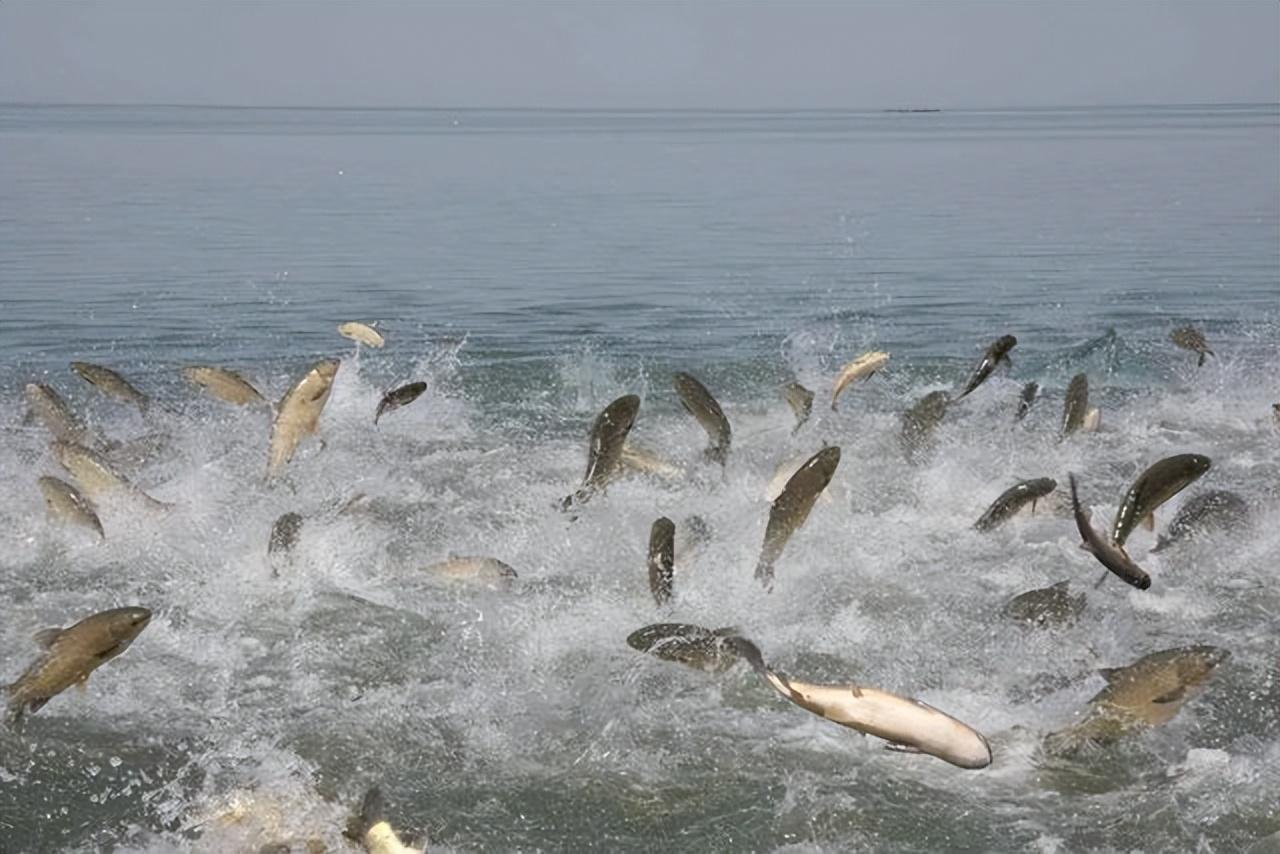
point(532, 266)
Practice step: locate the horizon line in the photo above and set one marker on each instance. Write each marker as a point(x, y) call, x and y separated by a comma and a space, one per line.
point(930, 108)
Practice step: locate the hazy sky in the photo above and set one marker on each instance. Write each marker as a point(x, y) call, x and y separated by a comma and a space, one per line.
point(719, 53)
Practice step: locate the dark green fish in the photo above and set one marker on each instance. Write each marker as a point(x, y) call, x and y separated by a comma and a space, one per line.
point(699, 403)
point(1014, 499)
point(111, 383)
point(995, 354)
point(918, 424)
point(662, 550)
point(1216, 510)
point(1028, 396)
point(692, 646)
point(790, 509)
point(1163, 480)
point(1048, 605)
point(1190, 338)
point(1075, 406)
point(604, 455)
point(399, 397)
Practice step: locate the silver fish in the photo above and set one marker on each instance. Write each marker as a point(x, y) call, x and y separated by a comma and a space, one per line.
point(399, 397)
point(1075, 406)
point(362, 333)
point(1013, 499)
point(700, 403)
point(71, 655)
point(112, 383)
point(1144, 694)
point(995, 354)
point(662, 549)
point(52, 411)
point(1109, 554)
point(907, 724)
point(863, 367)
point(1160, 482)
point(65, 502)
point(484, 570)
point(790, 510)
point(298, 415)
point(1209, 511)
point(96, 477)
point(223, 384)
point(604, 455)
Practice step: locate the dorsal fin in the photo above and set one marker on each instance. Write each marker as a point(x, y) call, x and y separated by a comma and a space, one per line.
point(46, 637)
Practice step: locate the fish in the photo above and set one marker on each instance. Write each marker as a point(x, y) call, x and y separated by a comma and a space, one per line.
point(862, 367)
point(284, 537)
point(662, 549)
point(1054, 604)
point(1026, 398)
point(638, 459)
point(1206, 512)
point(995, 354)
point(907, 724)
point(1109, 554)
point(298, 415)
point(1092, 420)
point(1075, 406)
point(111, 383)
point(48, 407)
point(919, 422)
point(485, 570)
point(1160, 482)
point(604, 454)
point(790, 509)
point(1190, 338)
point(693, 646)
point(1014, 499)
point(96, 478)
point(70, 656)
point(371, 829)
point(1144, 694)
point(800, 399)
point(223, 384)
point(783, 472)
point(399, 397)
point(700, 403)
point(64, 501)
point(362, 333)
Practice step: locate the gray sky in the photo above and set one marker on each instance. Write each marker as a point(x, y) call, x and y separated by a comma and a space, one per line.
point(713, 53)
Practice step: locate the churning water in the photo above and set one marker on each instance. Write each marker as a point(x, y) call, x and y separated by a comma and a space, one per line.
point(532, 266)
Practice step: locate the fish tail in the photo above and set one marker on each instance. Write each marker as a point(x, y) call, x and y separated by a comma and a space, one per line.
point(1203, 354)
point(371, 812)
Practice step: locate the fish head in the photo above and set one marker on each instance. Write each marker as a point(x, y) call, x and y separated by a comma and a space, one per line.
point(326, 369)
point(1004, 343)
point(125, 624)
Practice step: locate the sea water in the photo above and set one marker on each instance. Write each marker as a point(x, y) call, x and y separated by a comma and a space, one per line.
point(531, 266)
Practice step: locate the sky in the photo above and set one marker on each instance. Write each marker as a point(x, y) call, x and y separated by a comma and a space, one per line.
point(662, 53)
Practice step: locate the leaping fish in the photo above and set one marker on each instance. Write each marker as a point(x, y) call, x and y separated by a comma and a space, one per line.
point(604, 454)
point(862, 367)
point(64, 501)
point(111, 383)
point(225, 385)
point(362, 333)
point(1160, 482)
point(96, 477)
point(907, 724)
point(298, 415)
point(1110, 554)
point(790, 509)
point(702, 405)
point(995, 354)
point(1190, 338)
point(662, 550)
point(800, 399)
point(396, 398)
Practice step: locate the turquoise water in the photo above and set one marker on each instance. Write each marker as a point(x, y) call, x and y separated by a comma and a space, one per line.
point(532, 266)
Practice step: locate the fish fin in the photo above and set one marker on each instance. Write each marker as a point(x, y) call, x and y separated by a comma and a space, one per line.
point(1110, 673)
point(46, 637)
point(1200, 363)
point(1150, 521)
point(36, 705)
point(855, 690)
point(899, 747)
point(1033, 504)
point(1173, 696)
